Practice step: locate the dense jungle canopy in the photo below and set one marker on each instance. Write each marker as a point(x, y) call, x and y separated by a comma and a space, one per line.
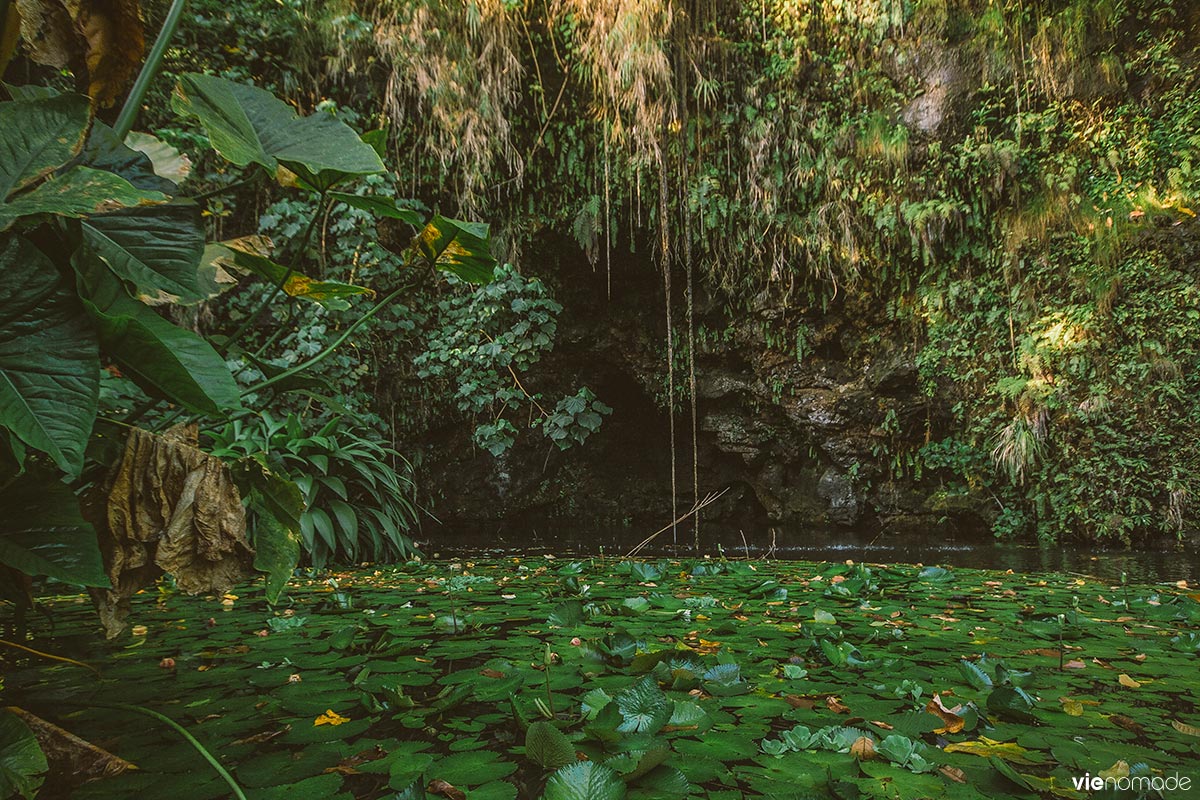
point(296, 288)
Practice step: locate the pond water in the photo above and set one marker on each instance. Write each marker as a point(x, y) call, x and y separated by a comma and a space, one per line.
point(1169, 562)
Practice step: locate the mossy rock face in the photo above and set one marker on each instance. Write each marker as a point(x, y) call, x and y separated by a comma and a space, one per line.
point(603, 678)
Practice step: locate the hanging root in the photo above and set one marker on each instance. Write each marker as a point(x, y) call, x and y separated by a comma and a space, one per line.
point(710, 498)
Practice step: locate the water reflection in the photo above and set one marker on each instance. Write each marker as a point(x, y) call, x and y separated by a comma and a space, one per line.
point(1169, 563)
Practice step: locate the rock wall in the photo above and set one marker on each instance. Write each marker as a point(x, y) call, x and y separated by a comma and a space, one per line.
point(799, 415)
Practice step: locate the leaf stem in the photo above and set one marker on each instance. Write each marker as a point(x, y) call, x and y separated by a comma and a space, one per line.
point(182, 731)
point(321, 356)
point(133, 102)
point(293, 255)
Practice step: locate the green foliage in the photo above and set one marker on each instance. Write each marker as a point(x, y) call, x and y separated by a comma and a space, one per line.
point(940, 706)
point(481, 342)
point(357, 493)
point(22, 763)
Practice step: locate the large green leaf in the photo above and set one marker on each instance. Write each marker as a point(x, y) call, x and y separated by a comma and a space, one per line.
point(49, 359)
point(644, 707)
point(248, 125)
point(78, 192)
point(548, 746)
point(103, 150)
point(46, 535)
point(22, 763)
point(237, 255)
point(386, 207)
point(276, 545)
point(157, 249)
point(166, 161)
point(38, 136)
point(164, 359)
point(461, 248)
point(585, 780)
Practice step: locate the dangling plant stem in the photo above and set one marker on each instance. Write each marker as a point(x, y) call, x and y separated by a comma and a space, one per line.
point(175, 726)
point(665, 254)
point(133, 103)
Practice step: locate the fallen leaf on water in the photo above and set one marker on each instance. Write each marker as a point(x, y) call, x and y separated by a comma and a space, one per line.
point(863, 748)
point(1184, 728)
point(1075, 664)
point(330, 717)
point(987, 748)
point(836, 705)
point(954, 773)
point(1127, 681)
point(1127, 723)
point(952, 722)
point(1072, 707)
point(265, 736)
point(491, 673)
point(441, 787)
point(1048, 652)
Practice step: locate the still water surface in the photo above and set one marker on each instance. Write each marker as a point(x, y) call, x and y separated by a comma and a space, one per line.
point(1167, 563)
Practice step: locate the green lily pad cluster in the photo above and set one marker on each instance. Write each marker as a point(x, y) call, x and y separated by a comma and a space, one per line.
point(599, 679)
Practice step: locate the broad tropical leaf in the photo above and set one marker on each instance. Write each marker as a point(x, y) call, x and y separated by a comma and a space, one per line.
point(49, 358)
point(585, 780)
point(39, 136)
point(22, 763)
point(103, 150)
point(248, 125)
point(10, 34)
point(276, 545)
point(380, 207)
point(167, 162)
point(46, 535)
point(164, 359)
point(245, 255)
point(157, 249)
point(461, 248)
point(78, 192)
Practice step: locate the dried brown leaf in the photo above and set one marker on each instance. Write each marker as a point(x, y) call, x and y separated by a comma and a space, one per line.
point(173, 508)
point(73, 761)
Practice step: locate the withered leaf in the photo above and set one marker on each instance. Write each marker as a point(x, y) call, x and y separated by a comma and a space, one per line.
point(172, 508)
point(73, 761)
point(101, 41)
point(445, 789)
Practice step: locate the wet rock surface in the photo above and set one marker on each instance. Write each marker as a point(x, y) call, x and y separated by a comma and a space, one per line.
point(799, 413)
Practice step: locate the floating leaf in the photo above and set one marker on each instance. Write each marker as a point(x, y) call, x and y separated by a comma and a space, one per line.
point(584, 781)
point(330, 717)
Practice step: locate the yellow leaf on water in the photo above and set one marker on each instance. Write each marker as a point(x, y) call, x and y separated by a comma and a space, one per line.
point(1127, 681)
point(985, 747)
point(330, 717)
point(1071, 707)
point(1116, 771)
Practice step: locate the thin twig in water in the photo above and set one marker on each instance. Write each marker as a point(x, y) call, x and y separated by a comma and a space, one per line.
point(711, 498)
point(745, 546)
